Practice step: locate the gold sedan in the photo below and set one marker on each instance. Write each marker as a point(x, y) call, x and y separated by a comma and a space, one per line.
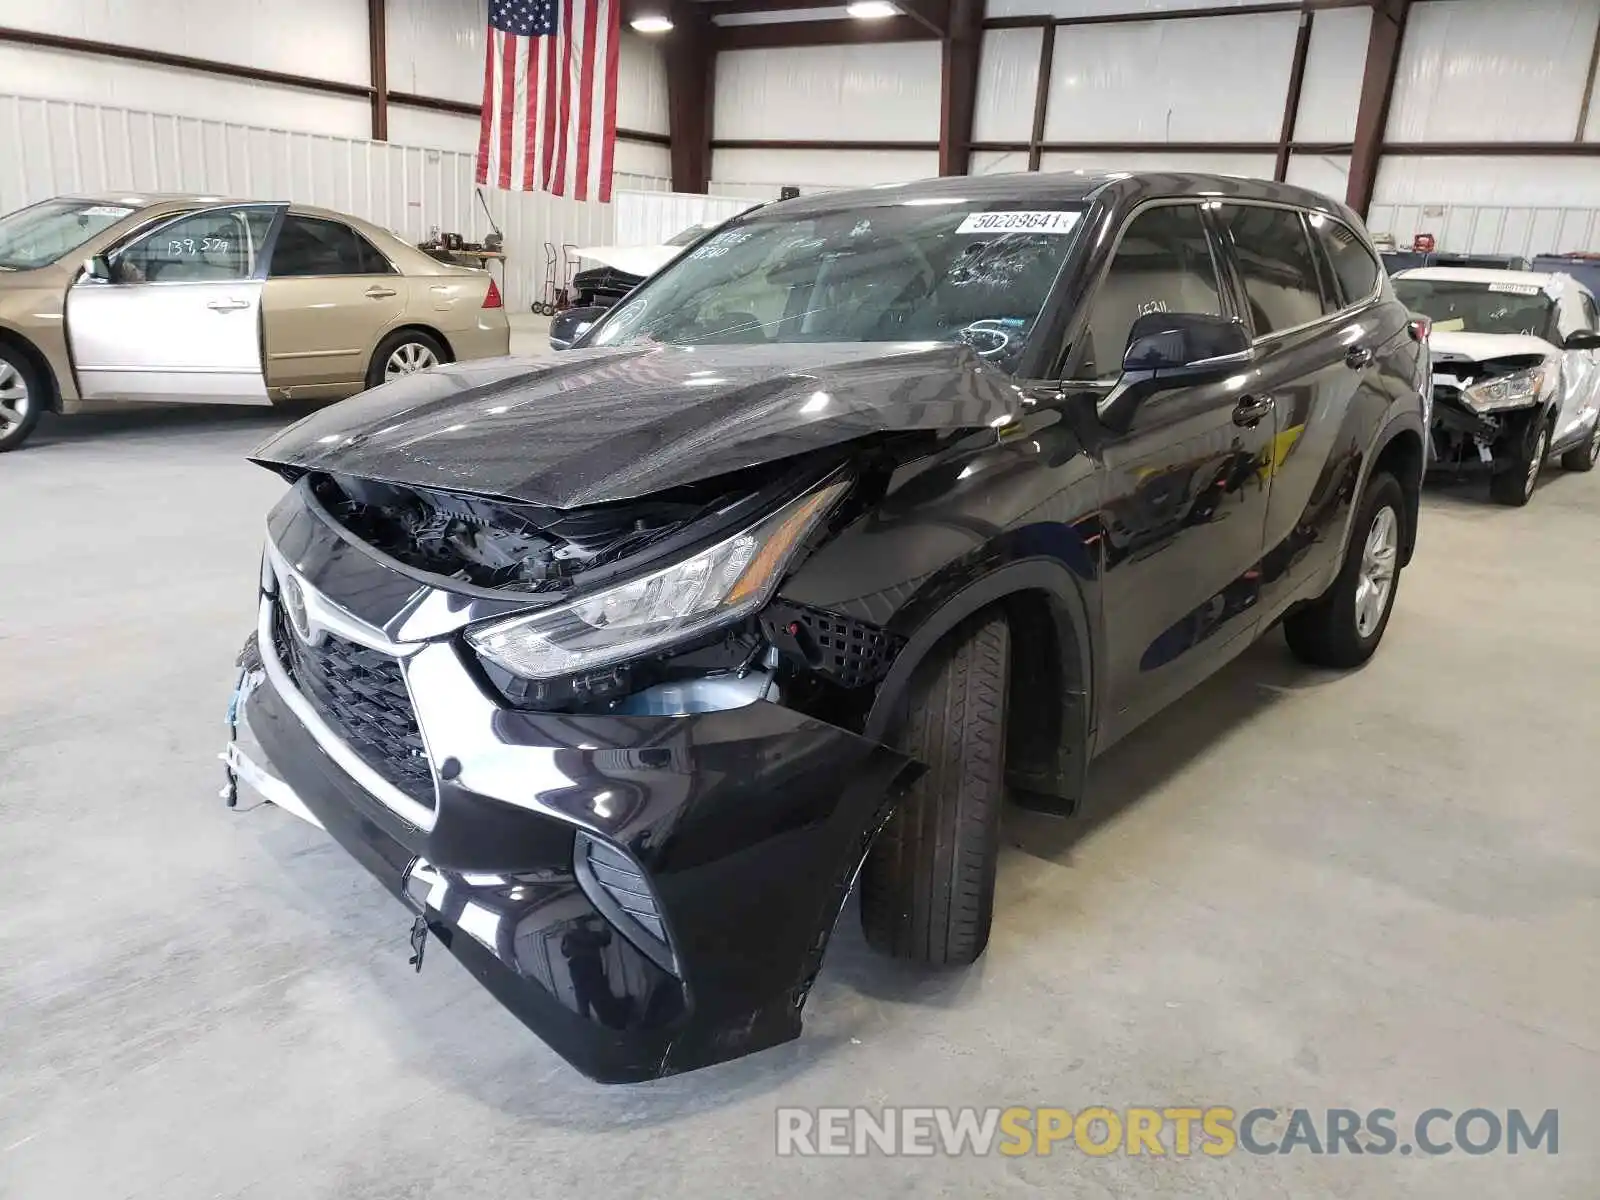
point(193, 298)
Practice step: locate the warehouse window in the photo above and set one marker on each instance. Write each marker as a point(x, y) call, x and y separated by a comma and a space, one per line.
point(309, 246)
point(1163, 264)
point(1277, 264)
point(1352, 262)
point(215, 245)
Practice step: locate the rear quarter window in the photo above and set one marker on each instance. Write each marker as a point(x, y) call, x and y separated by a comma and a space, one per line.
point(1276, 264)
point(1353, 265)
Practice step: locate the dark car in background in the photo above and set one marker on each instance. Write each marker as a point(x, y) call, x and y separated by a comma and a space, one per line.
point(870, 509)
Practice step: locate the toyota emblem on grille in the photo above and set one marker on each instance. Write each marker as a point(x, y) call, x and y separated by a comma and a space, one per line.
point(294, 606)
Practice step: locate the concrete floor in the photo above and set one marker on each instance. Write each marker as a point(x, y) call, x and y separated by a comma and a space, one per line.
point(1375, 890)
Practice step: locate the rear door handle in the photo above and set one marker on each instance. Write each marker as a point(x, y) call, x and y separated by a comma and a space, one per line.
point(1252, 410)
point(379, 293)
point(227, 305)
point(1359, 358)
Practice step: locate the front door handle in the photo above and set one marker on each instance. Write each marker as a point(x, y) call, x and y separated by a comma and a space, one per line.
point(379, 293)
point(1359, 358)
point(1252, 410)
point(227, 305)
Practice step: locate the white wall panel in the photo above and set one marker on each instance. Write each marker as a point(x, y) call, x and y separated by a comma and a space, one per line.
point(1172, 80)
point(1336, 59)
point(1325, 173)
point(817, 170)
point(57, 146)
point(1104, 8)
point(641, 158)
point(997, 162)
point(1251, 166)
point(424, 127)
point(886, 92)
point(58, 75)
point(436, 48)
point(650, 218)
point(1489, 70)
point(641, 84)
point(325, 39)
point(1408, 179)
point(1008, 78)
point(1490, 205)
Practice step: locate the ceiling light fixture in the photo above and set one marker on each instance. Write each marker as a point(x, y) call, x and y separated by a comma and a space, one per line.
point(651, 23)
point(872, 10)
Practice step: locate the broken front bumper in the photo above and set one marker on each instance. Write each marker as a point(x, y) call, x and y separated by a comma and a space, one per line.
point(648, 894)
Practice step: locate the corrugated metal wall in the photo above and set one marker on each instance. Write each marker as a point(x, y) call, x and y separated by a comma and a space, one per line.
point(61, 146)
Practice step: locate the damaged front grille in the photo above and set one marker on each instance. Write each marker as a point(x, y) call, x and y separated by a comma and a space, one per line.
point(494, 544)
point(362, 695)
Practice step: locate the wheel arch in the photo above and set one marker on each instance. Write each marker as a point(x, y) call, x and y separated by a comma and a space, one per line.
point(1047, 746)
point(1402, 455)
point(38, 361)
point(434, 332)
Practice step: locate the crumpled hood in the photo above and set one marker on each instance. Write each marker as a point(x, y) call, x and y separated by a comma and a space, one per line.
point(1480, 347)
point(590, 426)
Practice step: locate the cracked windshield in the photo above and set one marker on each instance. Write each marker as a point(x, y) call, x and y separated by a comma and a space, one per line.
point(899, 273)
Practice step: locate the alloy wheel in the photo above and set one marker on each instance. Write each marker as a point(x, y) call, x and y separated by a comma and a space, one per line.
point(1536, 462)
point(408, 358)
point(14, 399)
point(1379, 560)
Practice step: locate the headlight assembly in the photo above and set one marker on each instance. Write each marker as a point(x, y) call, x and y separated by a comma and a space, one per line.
point(1508, 391)
point(720, 584)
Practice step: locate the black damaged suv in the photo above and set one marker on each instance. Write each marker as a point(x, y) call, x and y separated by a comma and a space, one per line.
point(617, 667)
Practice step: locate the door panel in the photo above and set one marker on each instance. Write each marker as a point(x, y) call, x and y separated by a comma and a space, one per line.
point(180, 318)
point(167, 341)
point(1186, 499)
point(320, 332)
point(1185, 507)
point(330, 296)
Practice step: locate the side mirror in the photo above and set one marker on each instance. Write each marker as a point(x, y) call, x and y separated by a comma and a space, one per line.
point(1167, 351)
point(1582, 339)
point(567, 326)
point(97, 268)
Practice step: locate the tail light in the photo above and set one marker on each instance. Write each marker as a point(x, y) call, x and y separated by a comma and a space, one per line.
point(1420, 328)
point(491, 298)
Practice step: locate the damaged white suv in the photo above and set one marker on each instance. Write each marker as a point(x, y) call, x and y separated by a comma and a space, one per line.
point(1516, 372)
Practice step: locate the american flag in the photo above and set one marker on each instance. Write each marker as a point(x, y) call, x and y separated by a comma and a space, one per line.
point(550, 97)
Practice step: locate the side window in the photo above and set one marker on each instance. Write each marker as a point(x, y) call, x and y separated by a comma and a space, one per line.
point(1353, 264)
point(217, 244)
point(1590, 317)
point(311, 246)
point(1277, 265)
point(1162, 264)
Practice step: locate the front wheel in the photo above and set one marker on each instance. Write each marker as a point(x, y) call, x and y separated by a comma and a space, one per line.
point(1343, 627)
point(1514, 485)
point(927, 887)
point(404, 352)
point(21, 398)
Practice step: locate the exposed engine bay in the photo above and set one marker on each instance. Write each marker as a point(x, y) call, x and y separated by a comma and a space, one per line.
point(1464, 437)
point(493, 544)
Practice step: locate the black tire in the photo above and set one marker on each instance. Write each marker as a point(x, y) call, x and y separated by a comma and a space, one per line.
point(1514, 485)
point(1326, 632)
point(1583, 458)
point(927, 887)
point(378, 369)
point(16, 368)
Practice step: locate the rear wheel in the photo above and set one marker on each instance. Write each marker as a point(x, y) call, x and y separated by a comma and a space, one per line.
point(22, 397)
point(1514, 485)
point(1343, 627)
point(404, 352)
point(927, 887)
point(1583, 458)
